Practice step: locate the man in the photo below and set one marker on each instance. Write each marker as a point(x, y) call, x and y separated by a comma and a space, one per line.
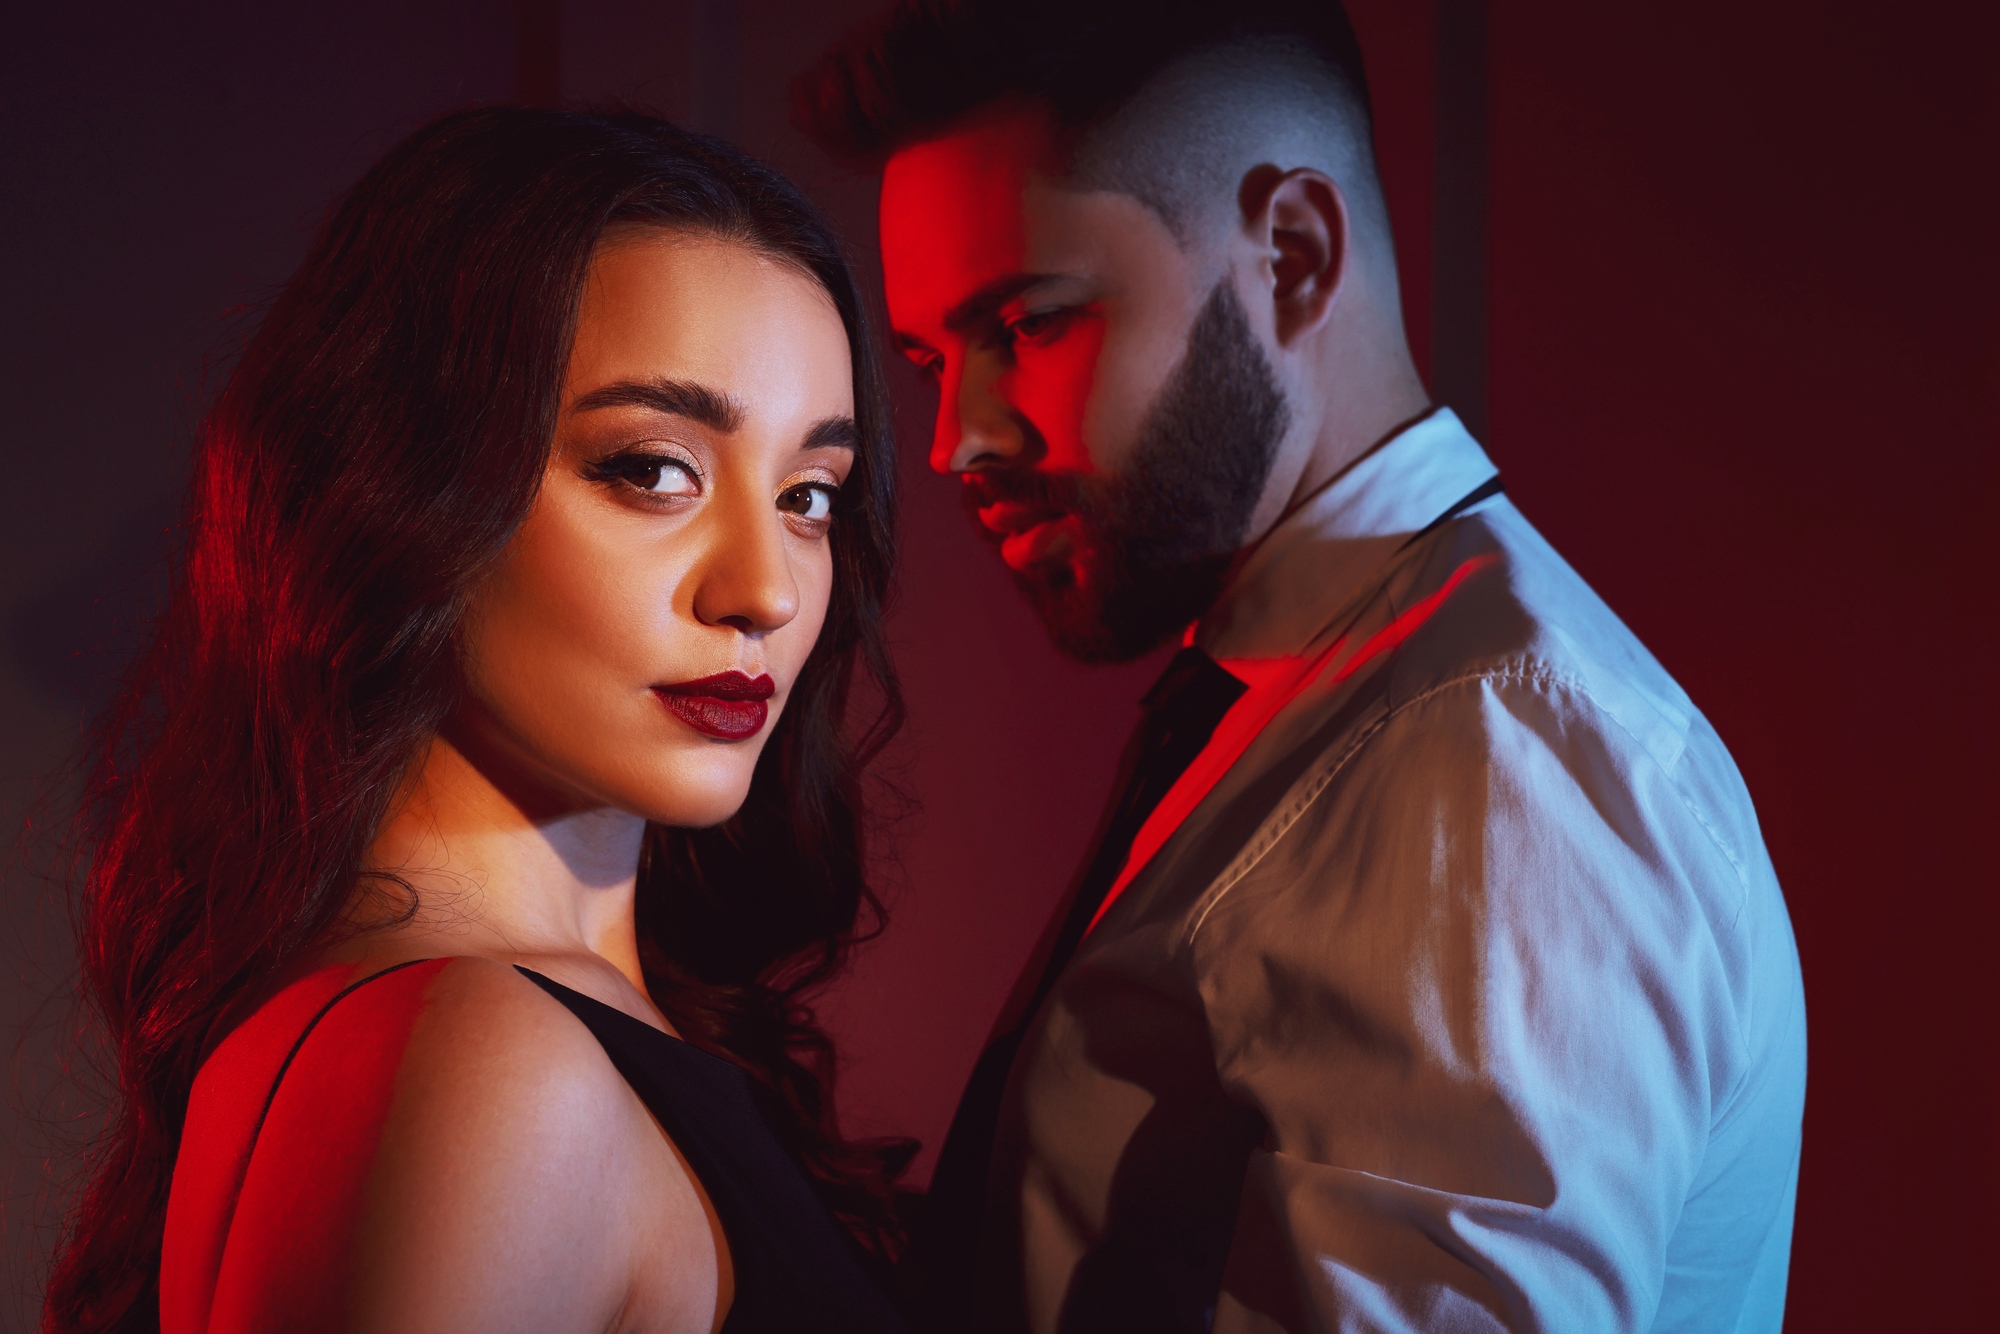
point(1429, 972)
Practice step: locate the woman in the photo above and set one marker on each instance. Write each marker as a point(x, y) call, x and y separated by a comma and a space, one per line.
point(489, 777)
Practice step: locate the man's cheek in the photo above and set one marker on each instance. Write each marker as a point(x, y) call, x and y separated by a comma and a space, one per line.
point(1055, 387)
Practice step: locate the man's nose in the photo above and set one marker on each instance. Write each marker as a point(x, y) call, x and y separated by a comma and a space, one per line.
point(746, 581)
point(975, 426)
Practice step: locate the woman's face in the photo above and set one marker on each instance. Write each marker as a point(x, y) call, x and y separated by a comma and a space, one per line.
point(644, 629)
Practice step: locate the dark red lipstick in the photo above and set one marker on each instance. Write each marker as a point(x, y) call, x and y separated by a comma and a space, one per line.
point(729, 705)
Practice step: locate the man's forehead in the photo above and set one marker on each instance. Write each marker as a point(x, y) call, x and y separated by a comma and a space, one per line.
point(959, 211)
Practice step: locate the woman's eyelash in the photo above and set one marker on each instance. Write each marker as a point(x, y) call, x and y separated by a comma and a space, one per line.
point(641, 468)
point(817, 495)
point(654, 474)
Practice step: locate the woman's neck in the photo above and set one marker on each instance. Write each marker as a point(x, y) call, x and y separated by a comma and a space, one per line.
point(500, 876)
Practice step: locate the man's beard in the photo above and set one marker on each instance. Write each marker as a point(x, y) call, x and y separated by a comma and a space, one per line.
point(1156, 539)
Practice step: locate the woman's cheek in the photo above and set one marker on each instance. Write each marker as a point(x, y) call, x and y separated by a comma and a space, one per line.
point(814, 573)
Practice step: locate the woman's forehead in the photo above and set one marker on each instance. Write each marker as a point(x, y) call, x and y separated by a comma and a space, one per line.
point(662, 305)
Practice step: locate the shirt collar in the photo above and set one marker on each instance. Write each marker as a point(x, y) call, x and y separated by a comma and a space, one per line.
point(1296, 581)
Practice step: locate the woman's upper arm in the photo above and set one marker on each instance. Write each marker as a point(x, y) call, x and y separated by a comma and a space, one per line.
point(451, 1153)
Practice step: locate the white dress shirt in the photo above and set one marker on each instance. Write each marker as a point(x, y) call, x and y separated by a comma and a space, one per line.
point(1454, 991)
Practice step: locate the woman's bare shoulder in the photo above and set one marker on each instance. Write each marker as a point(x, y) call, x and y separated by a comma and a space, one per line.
point(459, 1149)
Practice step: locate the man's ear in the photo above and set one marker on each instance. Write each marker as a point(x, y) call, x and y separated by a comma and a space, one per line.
point(1298, 220)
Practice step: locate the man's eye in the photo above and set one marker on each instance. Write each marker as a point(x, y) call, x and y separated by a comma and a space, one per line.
point(1036, 324)
point(812, 501)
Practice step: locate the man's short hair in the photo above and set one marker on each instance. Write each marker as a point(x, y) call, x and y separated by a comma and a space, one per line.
point(930, 64)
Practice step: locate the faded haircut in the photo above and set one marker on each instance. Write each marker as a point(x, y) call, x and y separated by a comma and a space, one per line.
point(1159, 100)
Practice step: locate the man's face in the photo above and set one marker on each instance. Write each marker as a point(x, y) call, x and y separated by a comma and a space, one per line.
point(1105, 402)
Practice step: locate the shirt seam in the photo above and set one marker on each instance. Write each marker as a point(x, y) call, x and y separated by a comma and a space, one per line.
point(1309, 789)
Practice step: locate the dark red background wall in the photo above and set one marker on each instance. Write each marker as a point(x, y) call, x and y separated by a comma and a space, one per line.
point(1742, 348)
point(1743, 374)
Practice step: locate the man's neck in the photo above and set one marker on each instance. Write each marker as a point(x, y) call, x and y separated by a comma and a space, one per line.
point(1325, 467)
point(1351, 389)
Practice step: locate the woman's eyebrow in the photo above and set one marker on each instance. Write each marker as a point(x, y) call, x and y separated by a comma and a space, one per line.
point(833, 433)
point(680, 398)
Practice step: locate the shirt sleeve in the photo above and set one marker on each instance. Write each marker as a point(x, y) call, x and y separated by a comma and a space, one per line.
point(1484, 992)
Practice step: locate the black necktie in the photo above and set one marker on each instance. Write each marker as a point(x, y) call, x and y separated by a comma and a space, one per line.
point(1180, 714)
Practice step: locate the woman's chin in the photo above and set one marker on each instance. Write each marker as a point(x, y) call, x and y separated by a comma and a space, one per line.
point(692, 806)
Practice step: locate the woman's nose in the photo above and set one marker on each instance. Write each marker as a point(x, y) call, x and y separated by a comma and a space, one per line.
point(746, 582)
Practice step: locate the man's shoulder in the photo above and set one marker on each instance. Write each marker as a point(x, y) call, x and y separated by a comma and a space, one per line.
point(1512, 777)
point(1503, 685)
point(1522, 618)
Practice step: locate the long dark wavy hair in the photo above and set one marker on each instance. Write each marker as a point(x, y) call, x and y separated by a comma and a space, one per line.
point(375, 449)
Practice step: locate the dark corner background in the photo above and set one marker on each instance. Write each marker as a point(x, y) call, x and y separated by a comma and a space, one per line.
point(1718, 279)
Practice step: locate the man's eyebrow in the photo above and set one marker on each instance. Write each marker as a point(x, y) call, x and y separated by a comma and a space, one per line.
point(833, 433)
point(979, 307)
point(680, 398)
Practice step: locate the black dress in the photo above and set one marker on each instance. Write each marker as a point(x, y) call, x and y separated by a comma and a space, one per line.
point(796, 1270)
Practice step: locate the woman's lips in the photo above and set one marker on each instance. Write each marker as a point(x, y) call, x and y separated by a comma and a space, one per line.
point(729, 705)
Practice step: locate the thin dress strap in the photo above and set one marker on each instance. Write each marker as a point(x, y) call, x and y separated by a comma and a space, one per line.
point(312, 1023)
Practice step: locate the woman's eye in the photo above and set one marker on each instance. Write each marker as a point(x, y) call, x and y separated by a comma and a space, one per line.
point(655, 474)
point(812, 501)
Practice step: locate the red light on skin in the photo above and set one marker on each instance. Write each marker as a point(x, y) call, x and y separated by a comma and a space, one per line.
point(248, 1232)
point(1049, 317)
point(1035, 541)
point(1050, 387)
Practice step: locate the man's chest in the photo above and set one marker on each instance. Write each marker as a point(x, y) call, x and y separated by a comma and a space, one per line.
point(1122, 1154)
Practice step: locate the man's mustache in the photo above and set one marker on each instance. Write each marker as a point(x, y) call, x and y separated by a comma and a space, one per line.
point(1054, 494)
